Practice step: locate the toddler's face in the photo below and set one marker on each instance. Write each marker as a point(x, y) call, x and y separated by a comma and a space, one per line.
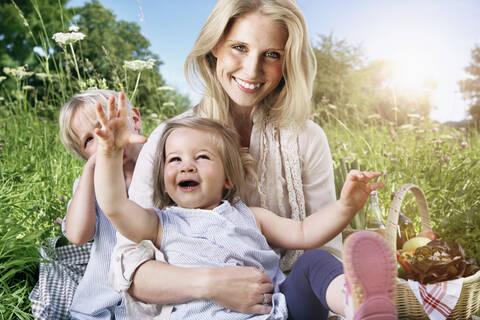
point(83, 123)
point(194, 174)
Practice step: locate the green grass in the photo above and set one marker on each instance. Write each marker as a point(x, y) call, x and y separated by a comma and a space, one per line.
point(36, 176)
point(430, 156)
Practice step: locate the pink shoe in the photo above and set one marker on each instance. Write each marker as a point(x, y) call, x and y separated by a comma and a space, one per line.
point(370, 271)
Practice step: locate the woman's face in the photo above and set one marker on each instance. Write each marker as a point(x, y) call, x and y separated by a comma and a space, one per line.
point(249, 59)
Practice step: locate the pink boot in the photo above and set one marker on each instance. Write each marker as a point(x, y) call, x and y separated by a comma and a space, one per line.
point(370, 271)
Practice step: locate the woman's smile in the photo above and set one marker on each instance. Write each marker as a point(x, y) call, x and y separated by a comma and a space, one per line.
point(249, 87)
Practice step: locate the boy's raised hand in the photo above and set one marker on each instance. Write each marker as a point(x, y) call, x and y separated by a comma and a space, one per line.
point(115, 133)
point(357, 188)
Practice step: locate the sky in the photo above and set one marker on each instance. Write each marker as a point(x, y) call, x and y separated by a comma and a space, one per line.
point(423, 37)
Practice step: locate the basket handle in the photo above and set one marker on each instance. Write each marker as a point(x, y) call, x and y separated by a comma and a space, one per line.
point(394, 212)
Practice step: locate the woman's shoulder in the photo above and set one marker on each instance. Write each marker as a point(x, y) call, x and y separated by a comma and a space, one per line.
point(310, 133)
point(313, 144)
point(311, 128)
point(154, 137)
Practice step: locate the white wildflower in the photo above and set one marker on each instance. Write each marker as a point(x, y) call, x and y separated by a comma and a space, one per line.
point(413, 115)
point(28, 87)
point(2, 78)
point(103, 84)
point(138, 65)
point(91, 82)
point(446, 137)
point(154, 115)
point(374, 116)
point(67, 38)
point(407, 126)
point(169, 104)
point(43, 76)
point(18, 72)
point(165, 88)
point(73, 28)
point(331, 106)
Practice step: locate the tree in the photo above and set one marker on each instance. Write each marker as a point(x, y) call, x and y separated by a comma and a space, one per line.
point(351, 88)
point(471, 87)
point(95, 61)
point(337, 63)
point(26, 24)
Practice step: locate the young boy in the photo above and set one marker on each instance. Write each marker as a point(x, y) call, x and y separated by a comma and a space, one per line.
point(94, 297)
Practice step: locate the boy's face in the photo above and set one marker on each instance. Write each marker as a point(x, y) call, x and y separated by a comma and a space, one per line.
point(83, 123)
point(194, 175)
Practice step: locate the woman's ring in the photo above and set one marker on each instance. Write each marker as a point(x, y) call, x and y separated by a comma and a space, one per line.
point(265, 298)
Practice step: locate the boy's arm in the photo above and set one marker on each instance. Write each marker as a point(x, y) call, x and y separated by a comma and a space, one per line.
point(131, 220)
point(81, 217)
point(322, 226)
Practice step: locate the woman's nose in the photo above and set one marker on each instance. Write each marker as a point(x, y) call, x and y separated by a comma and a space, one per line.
point(252, 66)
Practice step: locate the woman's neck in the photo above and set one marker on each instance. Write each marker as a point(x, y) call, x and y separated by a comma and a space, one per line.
point(243, 122)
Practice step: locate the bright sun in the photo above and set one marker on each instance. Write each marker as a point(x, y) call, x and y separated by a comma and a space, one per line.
point(411, 71)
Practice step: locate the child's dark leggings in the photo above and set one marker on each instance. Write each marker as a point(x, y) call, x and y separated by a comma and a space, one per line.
point(306, 286)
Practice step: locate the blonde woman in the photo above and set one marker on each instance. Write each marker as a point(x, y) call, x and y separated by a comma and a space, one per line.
point(255, 64)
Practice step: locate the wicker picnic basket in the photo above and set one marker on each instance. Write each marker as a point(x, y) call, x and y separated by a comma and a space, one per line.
point(407, 304)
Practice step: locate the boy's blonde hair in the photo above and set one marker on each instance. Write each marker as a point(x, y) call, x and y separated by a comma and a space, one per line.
point(89, 99)
point(237, 162)
point(290, 102)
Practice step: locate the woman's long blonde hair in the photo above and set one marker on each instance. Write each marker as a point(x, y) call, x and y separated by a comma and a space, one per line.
point(237, 162)
point(291, 100)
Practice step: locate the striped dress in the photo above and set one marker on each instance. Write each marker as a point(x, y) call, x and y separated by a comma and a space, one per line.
point(224, 236)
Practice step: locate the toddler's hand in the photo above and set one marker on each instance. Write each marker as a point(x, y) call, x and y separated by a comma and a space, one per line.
point(356, 189)
point(115, 134)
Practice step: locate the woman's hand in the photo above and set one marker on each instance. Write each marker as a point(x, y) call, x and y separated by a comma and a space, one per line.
point(115, 133)
point(357, 188)
point(241, 289)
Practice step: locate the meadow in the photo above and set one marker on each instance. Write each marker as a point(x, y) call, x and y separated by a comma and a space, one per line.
point(37, 173)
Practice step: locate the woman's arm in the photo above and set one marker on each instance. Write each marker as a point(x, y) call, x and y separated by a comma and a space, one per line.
point(81, 216)
point(236, 288)
point(318, 176)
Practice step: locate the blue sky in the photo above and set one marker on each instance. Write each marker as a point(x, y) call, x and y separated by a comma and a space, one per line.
point(433, 37)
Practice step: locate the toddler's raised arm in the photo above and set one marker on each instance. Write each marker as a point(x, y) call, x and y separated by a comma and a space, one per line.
point(131, 220)
point(320, 227)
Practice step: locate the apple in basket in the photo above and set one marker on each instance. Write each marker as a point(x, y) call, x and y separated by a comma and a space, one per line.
point(428, 234)
point(415, 242)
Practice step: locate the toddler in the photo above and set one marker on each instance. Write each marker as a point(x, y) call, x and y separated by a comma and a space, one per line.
point(199, 220)
point(94, 298)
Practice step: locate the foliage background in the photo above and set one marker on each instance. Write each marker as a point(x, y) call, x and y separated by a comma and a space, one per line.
point(369, 124)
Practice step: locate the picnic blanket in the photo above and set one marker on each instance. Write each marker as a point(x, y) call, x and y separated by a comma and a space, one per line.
point(438, 299)
point(61, 269)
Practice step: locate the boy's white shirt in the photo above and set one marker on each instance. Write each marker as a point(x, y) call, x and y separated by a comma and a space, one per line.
point(318, 187)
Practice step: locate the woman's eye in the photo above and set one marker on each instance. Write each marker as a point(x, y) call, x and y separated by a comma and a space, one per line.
point(204, 156)
point(274, 55)
point(174, 159)
point(87, 141)
point(239, 47)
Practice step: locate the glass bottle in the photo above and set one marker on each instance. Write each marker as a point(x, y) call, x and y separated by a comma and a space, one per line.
point(405, 230)
point(373, 215)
